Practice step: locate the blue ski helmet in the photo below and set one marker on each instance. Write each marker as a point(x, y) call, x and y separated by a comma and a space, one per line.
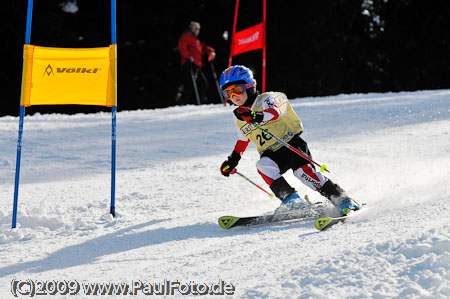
point(237, 74)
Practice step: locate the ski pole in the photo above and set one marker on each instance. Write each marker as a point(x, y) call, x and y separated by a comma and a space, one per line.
point(194, 83)
point(250, 181)
point(307, 199)
point(303, 155)
point(247, 179)
point(217, 82)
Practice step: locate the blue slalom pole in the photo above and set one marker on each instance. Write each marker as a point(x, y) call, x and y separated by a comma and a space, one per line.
point(113, 22)
point(19, 154)
point(113, 162)
point(29, 19)
point(113, 112)
point(21, 119)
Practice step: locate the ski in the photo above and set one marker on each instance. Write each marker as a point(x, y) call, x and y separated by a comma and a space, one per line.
point(308, 213)
point(324, 223)
point(228, 222)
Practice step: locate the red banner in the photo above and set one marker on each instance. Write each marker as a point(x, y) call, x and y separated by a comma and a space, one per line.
point(249, 39)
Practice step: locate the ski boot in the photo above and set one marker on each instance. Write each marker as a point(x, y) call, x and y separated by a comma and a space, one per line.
point(338, 197)
point(294, 202)
point(292, 207)
point(347, 205)
point(290, 201)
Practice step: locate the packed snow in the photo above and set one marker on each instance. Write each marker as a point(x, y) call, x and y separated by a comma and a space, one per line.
point(390, 151)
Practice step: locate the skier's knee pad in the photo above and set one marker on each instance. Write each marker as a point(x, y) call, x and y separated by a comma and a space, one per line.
point(268, 169)
point(310, 177)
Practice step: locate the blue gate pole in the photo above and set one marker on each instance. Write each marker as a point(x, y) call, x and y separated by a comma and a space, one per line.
point(19, 154)
point(22, 114)
point(113, 162)
point(113, 22)
point(113, 112)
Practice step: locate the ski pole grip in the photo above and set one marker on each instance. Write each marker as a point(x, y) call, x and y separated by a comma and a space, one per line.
point(228, 167)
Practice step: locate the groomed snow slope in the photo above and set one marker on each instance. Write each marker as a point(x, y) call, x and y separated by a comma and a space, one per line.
point(391, 151)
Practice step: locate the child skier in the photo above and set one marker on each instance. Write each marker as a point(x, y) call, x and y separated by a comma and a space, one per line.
point(273, 112)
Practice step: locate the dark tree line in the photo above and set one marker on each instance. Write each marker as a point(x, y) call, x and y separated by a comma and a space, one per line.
point(313, 47)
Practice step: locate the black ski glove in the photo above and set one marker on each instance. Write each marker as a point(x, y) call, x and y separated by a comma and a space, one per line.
point(228, 165)
point(245, 114)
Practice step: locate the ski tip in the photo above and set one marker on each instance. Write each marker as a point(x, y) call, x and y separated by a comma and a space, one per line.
point(323, 222)
point(226, 222)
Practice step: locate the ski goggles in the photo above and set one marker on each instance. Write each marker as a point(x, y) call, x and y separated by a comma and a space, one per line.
point(236, 89)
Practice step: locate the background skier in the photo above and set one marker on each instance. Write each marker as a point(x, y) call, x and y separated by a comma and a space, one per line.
point(192, 50)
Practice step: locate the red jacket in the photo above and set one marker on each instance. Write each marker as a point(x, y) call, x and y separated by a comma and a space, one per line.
point(190, 46)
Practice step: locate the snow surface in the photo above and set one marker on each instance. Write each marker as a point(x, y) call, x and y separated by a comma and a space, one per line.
point(390, 150)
